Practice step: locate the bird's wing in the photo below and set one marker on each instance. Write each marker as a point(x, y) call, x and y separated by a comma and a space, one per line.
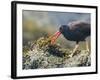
point(78, 26)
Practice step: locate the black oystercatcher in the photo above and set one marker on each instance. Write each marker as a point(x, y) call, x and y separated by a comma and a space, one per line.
point(74, 31)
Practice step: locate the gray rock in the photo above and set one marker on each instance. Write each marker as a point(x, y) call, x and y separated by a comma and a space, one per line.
point(54, 56)
point(81, 59)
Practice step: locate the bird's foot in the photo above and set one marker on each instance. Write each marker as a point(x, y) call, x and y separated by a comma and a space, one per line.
point(71, 55)
point(87, 51)
point(74, 53)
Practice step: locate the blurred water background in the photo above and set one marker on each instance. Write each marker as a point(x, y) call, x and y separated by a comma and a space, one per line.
point(37, 24)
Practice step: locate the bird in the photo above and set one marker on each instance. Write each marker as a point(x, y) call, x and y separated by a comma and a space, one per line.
point(74, 31)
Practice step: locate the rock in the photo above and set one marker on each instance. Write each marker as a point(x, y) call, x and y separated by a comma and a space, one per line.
point(81, 59)
point(44, 55)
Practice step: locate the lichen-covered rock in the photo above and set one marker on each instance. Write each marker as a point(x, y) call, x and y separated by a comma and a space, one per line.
point(81, 59)
point(44, 55)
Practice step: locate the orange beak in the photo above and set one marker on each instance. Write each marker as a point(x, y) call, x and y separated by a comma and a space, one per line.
point(55, 36)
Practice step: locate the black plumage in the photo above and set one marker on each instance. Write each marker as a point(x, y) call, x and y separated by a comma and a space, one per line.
point(76, 31)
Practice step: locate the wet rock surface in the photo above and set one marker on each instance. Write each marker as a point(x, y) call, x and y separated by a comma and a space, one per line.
point(42, 54)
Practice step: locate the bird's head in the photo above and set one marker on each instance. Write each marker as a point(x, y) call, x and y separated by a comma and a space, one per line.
point(58, 33)
point(63, 28)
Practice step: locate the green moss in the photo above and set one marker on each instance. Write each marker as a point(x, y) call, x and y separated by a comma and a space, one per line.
point(44, 43)
point(43, 54)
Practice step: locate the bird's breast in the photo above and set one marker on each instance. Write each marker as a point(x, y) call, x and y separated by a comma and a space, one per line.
point(72, 36)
